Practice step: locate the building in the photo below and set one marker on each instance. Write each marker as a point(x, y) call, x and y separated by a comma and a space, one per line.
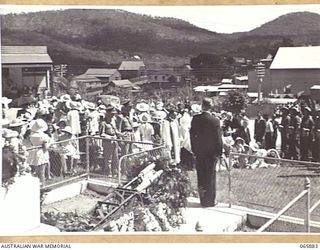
point(295, 66)
point(132, 69)
point(25, 67)
point(89, 85)
point(315, 92)
point(105, 75)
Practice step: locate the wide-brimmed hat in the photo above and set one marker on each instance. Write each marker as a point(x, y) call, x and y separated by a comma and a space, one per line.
point(53, 99)
point(5, 122)
point(74, 105)
point(5, 100)
point(65, 98)
point(39, 125)
point(295, 108)
point(67, 129)
point(239, 139)
point(17, 122)
point(102, 107)
point(159, 105)
point(90, 105)
point(142, 107)
point(254, 146)
point(160, 115)
point(308, 109)
point(144, 117)
point(8, 133)
point(196, 108)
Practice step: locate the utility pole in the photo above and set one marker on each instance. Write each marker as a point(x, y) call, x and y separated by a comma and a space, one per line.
point(260, 71)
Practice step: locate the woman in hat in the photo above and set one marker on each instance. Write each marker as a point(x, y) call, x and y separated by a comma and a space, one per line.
point(39, 158)
point(174, 134)
point(93, 119)
point(70, 155)
point(73, 117)
point(146, 130)
point(241, 148)
point(136, 147)
point(185, 125)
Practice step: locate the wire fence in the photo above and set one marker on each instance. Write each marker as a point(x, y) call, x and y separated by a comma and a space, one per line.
point(60, 161)
point(267, 183)
point(106, 159)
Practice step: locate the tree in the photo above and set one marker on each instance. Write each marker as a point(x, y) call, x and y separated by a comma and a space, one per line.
point(205, 61)
point(235, 101)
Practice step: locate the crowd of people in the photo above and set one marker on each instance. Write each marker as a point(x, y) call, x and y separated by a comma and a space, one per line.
point(50, 127)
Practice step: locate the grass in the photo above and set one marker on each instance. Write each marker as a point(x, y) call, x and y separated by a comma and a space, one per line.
point(267, 189)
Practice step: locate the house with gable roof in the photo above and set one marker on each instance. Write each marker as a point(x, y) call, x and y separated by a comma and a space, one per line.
point(104, 75)
point(295, 66)
point(132, 69)
point(25, 67)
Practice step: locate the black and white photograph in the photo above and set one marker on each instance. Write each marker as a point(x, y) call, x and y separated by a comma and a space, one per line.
point(198, 120)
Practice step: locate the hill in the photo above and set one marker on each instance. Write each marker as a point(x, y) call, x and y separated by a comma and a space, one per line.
point(89, 37)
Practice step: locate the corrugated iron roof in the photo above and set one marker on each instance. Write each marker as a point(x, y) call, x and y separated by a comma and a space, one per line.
point(297, 58)
point(100, 72)
point(25, 58)
point(85, 77)
point(24, 50)
point(131, 65)
point(123, 83)
point(24, 54)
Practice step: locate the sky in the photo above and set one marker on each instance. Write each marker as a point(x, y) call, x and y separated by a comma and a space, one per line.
point(222, 19)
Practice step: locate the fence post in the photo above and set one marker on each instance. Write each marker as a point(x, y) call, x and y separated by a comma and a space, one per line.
point(229, 177)
point(307, 220)
point(87, 156)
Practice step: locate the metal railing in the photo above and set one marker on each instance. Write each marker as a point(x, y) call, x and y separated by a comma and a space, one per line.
point(90, 157)
point(106, 156)
point(305, 192)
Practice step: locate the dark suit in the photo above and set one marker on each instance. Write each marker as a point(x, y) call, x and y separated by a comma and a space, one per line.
point(206, 144)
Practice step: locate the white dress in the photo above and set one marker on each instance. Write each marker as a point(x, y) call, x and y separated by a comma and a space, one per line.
point(185, 125)
point(146, 132)
point(73, 120)
point(175, 135)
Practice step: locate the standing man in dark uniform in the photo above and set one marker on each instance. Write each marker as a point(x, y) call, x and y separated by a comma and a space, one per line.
point(294, 133)
point(206, 144)
point(285, 121)
point(306, 138)
point(316, 137)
